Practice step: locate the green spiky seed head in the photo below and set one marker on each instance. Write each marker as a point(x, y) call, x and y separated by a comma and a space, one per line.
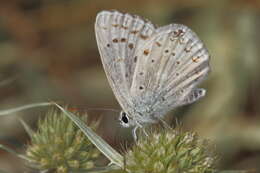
point(171, 151)
point(60, 145)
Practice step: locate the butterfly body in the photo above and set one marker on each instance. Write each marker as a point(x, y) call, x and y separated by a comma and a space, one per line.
point(150, 70)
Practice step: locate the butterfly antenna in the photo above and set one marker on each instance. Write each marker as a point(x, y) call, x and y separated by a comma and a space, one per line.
point(104, 109)
point(97, 109)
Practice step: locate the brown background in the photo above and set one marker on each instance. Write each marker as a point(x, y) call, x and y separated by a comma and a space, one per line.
point(48, 52)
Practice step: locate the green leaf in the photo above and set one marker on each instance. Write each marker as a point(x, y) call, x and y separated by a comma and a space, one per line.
point(28, 129)
point(104, 147)
point(17, 109)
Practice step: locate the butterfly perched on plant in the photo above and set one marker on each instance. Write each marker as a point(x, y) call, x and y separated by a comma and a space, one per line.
point(150, 70)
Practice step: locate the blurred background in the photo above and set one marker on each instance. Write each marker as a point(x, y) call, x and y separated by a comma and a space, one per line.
point(48, 52)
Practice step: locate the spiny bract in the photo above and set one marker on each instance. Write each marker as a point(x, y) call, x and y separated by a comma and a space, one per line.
point(171, 151)
point(60, 145)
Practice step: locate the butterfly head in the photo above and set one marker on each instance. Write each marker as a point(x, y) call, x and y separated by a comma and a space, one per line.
point(125, 119)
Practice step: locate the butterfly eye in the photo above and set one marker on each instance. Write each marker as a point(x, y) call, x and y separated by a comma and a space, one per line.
point(141, 87)
point(124, 118)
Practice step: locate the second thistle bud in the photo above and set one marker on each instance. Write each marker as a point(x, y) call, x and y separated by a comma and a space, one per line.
point(171, 151)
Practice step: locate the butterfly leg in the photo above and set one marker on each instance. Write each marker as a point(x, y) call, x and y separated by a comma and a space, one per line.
point(134, 132)
point(145, 133)
point(164, 123)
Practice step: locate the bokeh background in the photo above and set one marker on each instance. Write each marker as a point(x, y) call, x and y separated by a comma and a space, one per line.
point(48, 52)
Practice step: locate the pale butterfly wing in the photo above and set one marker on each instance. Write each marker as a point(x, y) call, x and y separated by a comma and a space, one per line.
point(119, 36)
point(169, 67)
point(150, 70)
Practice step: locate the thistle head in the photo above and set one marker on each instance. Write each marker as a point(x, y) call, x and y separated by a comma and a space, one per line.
point(59, 145)
point(171, 151)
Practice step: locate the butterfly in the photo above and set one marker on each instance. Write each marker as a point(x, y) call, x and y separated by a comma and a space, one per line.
point(150, 69)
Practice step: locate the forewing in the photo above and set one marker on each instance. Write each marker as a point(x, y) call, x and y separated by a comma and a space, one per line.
point(169, 67)
point(119, 36)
